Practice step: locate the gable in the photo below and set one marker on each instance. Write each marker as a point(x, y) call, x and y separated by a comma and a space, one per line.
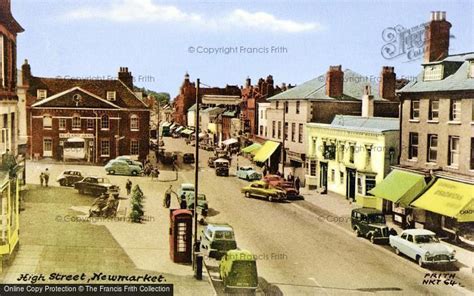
point(76, 98)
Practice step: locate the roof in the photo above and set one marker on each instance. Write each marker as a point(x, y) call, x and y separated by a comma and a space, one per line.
point(125, 97)
point(219, 227)
point(213, 110)
point(361, 124)
point(230, 113)
point(221, 99)
point(315, 89)
point(7, 19)
point(367, 211)
point(192, 108)
point(455, 79)
point(418, 231)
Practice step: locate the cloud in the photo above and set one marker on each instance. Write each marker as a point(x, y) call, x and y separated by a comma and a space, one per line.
point(148, 11)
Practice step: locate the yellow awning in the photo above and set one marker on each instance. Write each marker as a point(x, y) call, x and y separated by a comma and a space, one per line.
point(212, 127)
point(266, 151)
point(449, 198)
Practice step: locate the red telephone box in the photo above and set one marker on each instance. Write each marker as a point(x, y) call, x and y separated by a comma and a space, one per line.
point(181, 233)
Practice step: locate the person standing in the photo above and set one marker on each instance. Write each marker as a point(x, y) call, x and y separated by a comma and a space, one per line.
point(41, 179)
point(297, 184)
point(167, 201)
point(46, 177)
point(264, 170)
point(183, 203)
point(128, 186)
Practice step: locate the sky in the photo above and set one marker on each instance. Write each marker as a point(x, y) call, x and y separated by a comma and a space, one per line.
point(224, 42)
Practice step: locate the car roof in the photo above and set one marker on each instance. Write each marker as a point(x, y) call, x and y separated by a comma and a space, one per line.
point(221, 160)
point(246, 167)
point(419, 232)
point(367, 211)
point(187, 185)
point(72, 171)
point(260, 182)
point(219, 227)
point(240, 255)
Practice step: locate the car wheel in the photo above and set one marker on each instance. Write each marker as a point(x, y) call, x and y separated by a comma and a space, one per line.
point(247, 194)
point(134, 173)
point(112, 172)
point(372, 239)
point(247, 178)
point(357, 232)
point(270, 198)
point(420, 261)
point(62, 182)
point(397, 251)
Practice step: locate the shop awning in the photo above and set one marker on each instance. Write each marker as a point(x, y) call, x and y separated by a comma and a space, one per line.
point(173, 126)
point(166, 123)
point(179, 129)
point(449, 198)
point(400, 187)
point(266, 151)
point(252, 148)
point(229, 141)
point(187, 132)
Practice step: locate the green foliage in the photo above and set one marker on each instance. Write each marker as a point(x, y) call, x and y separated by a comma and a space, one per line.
point(137, 205)
point(162, 97)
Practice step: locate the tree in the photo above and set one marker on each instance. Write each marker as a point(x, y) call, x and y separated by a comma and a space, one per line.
point(136, 215)
point(162, 97)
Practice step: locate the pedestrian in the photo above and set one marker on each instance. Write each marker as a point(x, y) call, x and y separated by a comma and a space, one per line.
point(264, 170)
point(297, 184)
point(128, 186)
point(291, 178)
point(46, 177)
point(167, 200)
point(183, 204)
point(41, 178)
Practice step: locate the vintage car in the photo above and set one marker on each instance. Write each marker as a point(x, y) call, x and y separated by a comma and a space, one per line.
point(202, 205)
point(129, 160)
point(370, 223)
point(222, 167)
point(217, 239)
point(97, 186)
point(188, 158)
point(263, 190)
point(69, 177)
point(122, 167)
point(289, 189)
point(238, 271)
point(423, 246)
point(273, 180)
point(248, 173)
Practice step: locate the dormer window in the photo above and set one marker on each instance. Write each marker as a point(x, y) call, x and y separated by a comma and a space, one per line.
point(433, 72)
point(41, 94)
point(111, 95)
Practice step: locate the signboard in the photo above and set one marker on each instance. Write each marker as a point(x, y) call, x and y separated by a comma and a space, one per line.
point(70, 135)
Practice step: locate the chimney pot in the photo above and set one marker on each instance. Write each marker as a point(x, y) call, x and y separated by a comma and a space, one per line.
point(437, 37)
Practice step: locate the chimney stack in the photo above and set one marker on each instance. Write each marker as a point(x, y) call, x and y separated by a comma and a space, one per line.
point(367, 102)
point(26, 73)
point(334, 81)
point(126, 77)
point(248, 82)
point(387, 83)
point(437, 37)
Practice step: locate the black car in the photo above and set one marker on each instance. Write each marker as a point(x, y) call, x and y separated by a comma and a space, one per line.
point(97, 186)
point(188, 158)
point(370, 223)
point(69, 177)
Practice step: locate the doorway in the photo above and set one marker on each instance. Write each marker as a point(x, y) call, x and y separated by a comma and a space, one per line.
point(350, 183)
point(323, 177)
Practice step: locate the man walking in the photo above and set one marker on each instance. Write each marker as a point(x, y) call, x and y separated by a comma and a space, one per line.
point(297, 184)
point(46, 177)
point(41, 179)
point(167, 200)
point(128, 186)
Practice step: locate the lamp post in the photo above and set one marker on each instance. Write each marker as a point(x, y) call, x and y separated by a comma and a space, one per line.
point(283, 150)
point(196, 176)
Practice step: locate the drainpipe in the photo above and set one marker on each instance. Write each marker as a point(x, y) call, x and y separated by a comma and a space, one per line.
point(96, 156)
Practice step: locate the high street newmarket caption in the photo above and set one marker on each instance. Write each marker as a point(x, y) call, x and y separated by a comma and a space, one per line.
point(259, 188)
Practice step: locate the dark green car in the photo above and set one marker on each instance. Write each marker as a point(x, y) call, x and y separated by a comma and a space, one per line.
point(370, 223)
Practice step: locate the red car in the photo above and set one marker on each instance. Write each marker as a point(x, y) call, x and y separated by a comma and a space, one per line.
point(280, 183)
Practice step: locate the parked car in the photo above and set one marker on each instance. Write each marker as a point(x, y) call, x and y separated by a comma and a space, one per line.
point(273, 180)
point(122, 167)
point(129, 160)
point(222, 167)
point(370, 223)
point(423, 246)
point(238, 270)
point(97, 186)
point(69, 177)
point(248, 173)
point(264, 190)
point(280, 183)
point(202, 205)
point(185, 189)
point(217, 239)
point(188, 158)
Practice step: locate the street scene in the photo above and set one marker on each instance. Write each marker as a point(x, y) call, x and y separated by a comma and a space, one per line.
point(192, 182)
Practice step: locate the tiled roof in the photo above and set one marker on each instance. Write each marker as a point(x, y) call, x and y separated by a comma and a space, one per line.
point(125, 98)
point(7, 19)
point(457, 80)
point(315, 89)
point(359, 123)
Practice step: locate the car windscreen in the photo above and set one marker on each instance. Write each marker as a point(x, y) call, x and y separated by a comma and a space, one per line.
point(377, 219)
point(224, 235)
point(426, 239)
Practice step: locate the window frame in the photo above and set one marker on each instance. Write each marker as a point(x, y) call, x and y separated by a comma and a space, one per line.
point(414, 109)
point(413, 147)
point(452, 152)
point(111, 95)
point(433, 110)
point(134, 123)
point(102, 141)
point(132, 147)
point(432, 148)
point(89, 120)
point(50, 127)
point(62, 124)
point(41, 91)
point(455, 112)
point(102, 121)
point(76, 122)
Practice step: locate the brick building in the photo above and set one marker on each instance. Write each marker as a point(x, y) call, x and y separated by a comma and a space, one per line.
point(437, 137)
point(187, 97)
point(86, 120)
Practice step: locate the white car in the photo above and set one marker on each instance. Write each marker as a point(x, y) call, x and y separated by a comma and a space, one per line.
point(423, 246)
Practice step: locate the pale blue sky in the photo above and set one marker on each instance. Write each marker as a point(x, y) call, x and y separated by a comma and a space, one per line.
point(152, 37)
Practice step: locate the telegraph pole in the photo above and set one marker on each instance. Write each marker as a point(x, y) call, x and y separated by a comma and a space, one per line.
point(283, 156)
point(196, 174)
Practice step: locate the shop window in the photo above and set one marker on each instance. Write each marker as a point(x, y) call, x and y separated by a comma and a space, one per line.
point(369, 184)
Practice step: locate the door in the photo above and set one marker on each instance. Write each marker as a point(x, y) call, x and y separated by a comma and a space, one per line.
point(323, 178)
point(47, 147)
point(350, 183)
